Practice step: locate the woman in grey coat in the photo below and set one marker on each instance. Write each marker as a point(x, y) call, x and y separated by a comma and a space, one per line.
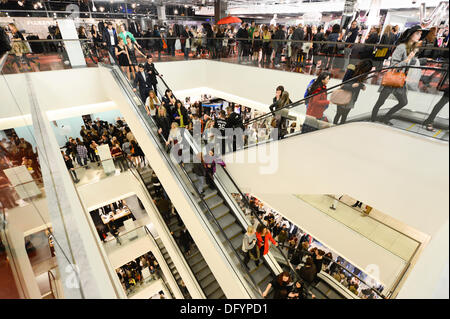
point(403, 55)
point(248, 243)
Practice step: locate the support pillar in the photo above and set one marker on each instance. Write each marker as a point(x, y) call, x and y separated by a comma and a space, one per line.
point(84, 270)
point(220, 10)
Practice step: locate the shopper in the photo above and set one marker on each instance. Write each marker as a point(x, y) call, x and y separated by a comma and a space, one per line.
point(298, 292)
point(242, 38)
point(403, 55)
point(123, 58)
point(180, 115)
point(124, 34)
point(354, 86)
point(278, 44)
point(308, 272)
point(350, 38)
point(69, 165)
point(163, 122)
point(266, 45)
point(152, 72)
point(142, 79)
point(82, 155)
point(263, 236)
point(280, 286)
point(152, 104)
point(319, 102)
point(158, 43)
point(281, 113)
point(436, 109)
point(199, 170)
point(119, 158)
point(299, 253)
point(249, 245)
point(132, 49)
point(110, 39)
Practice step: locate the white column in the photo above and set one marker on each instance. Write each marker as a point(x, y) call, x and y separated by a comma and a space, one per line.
point(83, 269)
point(73, 48)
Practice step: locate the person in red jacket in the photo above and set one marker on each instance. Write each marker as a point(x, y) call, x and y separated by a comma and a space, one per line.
point(318, 103)
point(263, 237)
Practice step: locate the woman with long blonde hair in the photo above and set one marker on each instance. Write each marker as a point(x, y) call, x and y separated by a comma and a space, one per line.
point(152, 103)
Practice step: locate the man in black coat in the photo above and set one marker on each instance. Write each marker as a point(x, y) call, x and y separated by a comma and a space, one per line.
point(143, 80)
point(234, 121)
point(298, 35)
point(110, 40)
point(241, 35)
point(152, 72)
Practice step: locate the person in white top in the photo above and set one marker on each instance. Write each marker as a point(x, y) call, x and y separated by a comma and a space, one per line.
point(152, 103)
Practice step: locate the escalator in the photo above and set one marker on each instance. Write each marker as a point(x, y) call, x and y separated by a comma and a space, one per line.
point(405, 119)
point(225, 217)
point(411, 121)
point(194, 261)
point(213, 209)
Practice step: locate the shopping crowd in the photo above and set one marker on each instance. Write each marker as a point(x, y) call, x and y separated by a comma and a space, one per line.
point(131, 274)
point(117, 136)
point(305, 254)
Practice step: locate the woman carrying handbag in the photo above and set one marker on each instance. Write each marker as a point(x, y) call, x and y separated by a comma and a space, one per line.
point(351, 88)
point(393, 81)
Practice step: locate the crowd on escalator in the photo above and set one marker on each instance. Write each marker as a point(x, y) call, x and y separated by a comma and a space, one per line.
point(308, 256)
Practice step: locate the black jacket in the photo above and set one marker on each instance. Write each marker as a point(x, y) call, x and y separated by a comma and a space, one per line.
point(151, 70)
point(164, 124)
point(183, 113)
point(308, 274)
point(107, 38)
point(242, 34)
point(143, 84)
point(234, 120)
point(299, 34)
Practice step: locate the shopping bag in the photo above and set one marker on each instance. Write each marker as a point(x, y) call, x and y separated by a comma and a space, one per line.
point(394, 79)
point(177, 44)
point(341, 97)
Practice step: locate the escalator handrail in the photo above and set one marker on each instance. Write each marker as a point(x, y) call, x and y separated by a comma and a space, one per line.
point(149, 233)
point(256, 288)
point(301, 101)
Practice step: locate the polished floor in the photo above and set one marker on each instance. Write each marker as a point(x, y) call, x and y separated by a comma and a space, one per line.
point(388, 237)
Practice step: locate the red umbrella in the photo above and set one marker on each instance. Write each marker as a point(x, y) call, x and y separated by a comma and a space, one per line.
point(229, 20)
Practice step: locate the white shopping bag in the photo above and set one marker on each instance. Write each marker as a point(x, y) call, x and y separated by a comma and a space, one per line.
point(177, 44)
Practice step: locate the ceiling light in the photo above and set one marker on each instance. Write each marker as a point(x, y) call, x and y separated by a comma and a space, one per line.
point(20, 3)
point(175, 11)
point(102, 9)
point(133, 5)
